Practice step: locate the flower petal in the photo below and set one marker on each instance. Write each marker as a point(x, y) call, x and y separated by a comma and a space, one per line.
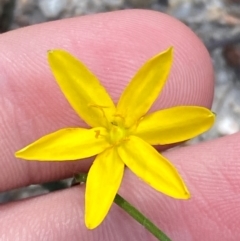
point(175, 124)
point(144, 88)
point(152, 167)
point(104, 179)
point(81, 88)
point(66, 144)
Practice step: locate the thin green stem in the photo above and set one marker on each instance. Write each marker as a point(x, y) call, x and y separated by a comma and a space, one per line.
point(139, 217)
point(132, 211)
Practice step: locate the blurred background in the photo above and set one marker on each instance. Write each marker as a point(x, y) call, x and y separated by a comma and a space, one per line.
point(216, 22)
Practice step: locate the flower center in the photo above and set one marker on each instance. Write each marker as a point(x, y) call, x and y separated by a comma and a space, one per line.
point(117, 134)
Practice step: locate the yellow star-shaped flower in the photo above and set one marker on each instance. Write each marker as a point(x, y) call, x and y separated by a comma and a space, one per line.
point(120, 135)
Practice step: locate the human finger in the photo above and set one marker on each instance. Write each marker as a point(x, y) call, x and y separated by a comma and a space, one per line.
point(211, 171)
point(113, 45)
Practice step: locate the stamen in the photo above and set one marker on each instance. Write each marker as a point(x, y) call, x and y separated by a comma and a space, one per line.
point(135, 126)
point(99, 107)
point(118, 142)
point(127, 138)
point(121, 122)
point(138, 121)
point(119, 115)
point(97, 133)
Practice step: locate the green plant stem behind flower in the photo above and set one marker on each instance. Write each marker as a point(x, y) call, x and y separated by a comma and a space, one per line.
point(132, 211)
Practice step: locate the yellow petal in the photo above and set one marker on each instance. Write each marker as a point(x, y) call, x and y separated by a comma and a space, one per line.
point(152, 167)
point(81, 88)
point(104, 179)
point(145, 87)
point(66, 144)
point(175, 124)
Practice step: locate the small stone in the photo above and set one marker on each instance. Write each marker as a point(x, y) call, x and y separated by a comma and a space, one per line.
point(52, 8)
point(222, 76)
point(140, 3)
point(231, 54)
point(78, 7)
point(180, 9)
point(227, 126)
point(113, 4)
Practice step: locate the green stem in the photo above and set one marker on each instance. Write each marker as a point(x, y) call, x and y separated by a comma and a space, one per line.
point(139, 217)
point(132, 211)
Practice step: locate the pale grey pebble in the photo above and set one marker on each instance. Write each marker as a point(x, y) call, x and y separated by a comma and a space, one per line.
point(227, 126)
point(112, 4)
point(52, 8)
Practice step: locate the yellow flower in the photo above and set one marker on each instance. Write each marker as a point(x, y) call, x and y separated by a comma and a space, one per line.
point(120, 135)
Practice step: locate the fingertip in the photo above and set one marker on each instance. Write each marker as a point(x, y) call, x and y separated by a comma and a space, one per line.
point(113, 46)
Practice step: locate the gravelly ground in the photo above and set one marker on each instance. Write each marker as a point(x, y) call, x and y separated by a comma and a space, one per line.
point(216, 22)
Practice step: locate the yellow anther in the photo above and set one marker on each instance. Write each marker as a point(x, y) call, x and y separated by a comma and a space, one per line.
point(97, 134)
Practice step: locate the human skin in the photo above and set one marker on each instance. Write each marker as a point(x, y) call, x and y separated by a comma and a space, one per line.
point(113, 45)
